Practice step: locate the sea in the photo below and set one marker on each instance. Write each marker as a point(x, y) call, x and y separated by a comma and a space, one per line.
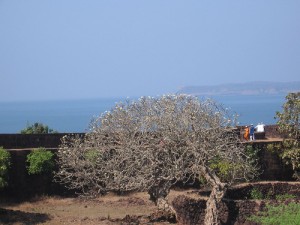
point(72, 116)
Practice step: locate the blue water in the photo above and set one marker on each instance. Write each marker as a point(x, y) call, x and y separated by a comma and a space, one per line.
point(254, 109)
point(75, 115)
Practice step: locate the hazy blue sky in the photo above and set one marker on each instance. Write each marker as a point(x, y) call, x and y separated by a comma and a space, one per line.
point(61, 49)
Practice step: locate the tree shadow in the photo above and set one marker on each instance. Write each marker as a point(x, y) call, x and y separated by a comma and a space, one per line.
point(8, 216)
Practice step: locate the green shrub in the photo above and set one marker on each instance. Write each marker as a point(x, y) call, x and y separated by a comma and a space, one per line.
point(4, 166)
point(289, 143)
point(256, 194)
point(279, 215)
point(289, 120)
point(223, 168)
point(226, 170)
point(291, 156)
point(40, 161)
point(252, 152)
point(274, 148)
point(285, 197)
point(37, 128)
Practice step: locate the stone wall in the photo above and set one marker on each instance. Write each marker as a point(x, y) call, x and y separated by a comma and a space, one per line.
point(21, 141)
point(272, 131)
point(22, 184)
point(192, 212)
point(271, 165)
point(233, 210)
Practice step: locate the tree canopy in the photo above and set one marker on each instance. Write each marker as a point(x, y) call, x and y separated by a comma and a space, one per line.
point(288, 123)
point(37, 128)
point(152, 143)
point(288, 119)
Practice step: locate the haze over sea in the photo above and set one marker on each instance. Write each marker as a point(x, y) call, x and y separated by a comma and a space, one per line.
point(75, 115)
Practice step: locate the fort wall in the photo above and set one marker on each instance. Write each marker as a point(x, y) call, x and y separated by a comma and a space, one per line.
point(21, 184)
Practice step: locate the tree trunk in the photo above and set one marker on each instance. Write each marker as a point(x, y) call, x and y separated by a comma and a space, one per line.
point(211, 212)
point(163, 205)
point(218, 191)
point(158, 194)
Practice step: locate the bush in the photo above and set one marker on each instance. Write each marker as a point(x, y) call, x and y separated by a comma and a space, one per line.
point(291, 156)
point(253, 154)
point(256, 194)
point(37, 128)
point(4, 166)
point(224, 169)
point(40, 161)
point(284, 197)
point(274, 148)
point(277, 215)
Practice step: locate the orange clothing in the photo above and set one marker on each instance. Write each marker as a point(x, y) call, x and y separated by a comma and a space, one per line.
point(246, 134)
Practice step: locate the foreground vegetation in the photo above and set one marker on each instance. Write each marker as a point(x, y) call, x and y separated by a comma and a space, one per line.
point(4, 167)
point(154, 143)
point(279, 214)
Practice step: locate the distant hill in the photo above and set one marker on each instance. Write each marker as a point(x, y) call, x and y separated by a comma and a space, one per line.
point(250, 88)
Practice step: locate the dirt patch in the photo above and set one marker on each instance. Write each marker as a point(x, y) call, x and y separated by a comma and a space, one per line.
point(111, 209)
point(136, 208)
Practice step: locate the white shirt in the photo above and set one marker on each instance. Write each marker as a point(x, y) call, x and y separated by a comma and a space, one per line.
point(260, 128)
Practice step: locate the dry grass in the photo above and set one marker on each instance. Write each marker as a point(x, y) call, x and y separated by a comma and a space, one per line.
point(106, 210)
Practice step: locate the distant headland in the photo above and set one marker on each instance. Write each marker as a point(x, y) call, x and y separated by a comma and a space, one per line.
point(248, 88)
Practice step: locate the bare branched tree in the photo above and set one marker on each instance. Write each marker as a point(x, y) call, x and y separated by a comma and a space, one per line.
point(152, 143)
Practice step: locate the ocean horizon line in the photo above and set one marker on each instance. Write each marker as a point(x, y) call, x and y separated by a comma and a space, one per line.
point(91, 98)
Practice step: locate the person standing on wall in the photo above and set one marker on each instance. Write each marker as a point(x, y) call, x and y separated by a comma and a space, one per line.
point(251, 130)
point(246, 133)
point(260, 127)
